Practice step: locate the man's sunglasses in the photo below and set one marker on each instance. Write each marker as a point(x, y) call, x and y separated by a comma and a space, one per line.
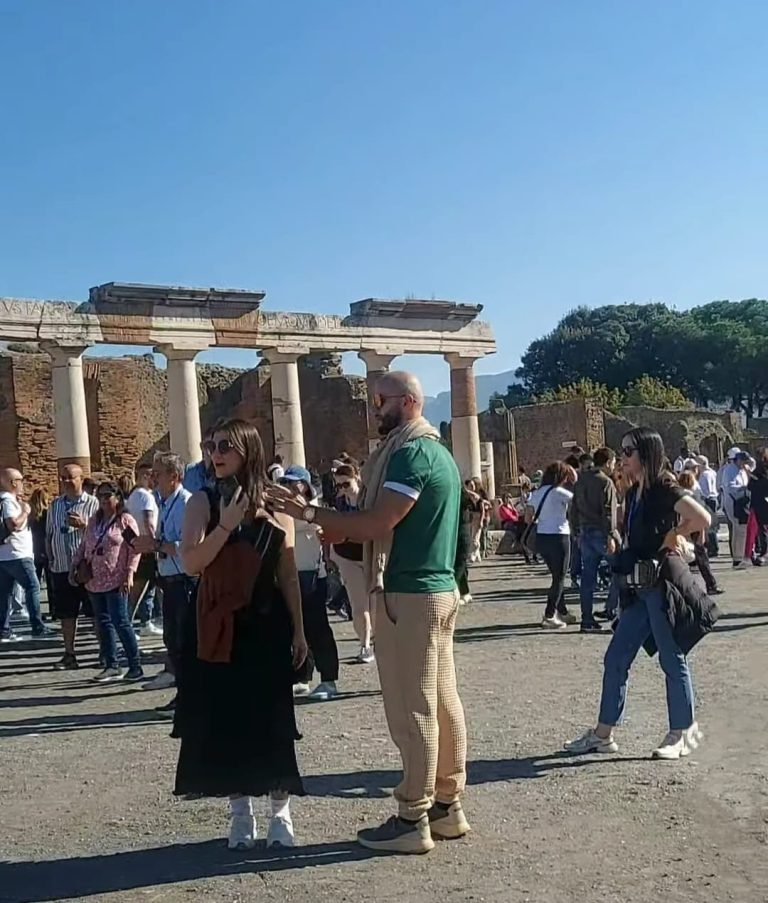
point(223, 446)
point(379, 399)
point(628, 450)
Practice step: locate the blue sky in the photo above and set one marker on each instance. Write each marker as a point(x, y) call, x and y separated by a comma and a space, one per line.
point(530, 156)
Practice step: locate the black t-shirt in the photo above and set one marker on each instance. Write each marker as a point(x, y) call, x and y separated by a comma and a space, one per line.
point(649, 518)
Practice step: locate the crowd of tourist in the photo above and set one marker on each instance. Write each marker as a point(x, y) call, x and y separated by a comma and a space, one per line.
point(237, 561)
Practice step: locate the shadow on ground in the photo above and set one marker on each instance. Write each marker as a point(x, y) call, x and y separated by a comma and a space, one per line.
point(86, 876)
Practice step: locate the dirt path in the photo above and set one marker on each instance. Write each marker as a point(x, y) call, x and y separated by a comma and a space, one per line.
point(87, 812)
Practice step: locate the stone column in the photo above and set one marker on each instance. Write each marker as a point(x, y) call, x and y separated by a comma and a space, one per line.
point(69, 412)
point(376, 365)
point(465, 432)
point(183, 403)
point(286, 405)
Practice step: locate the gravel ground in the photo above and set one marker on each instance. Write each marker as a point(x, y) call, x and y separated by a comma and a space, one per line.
point(87, 812)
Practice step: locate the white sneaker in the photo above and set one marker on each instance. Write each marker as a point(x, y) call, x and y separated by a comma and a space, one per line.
point(162, 681)
point(280, 833)
point(324, 691)
point(366, 655)
point(553, 623)
point(590, 742)
point(673, 746)
point(694, 736)
point(301, 689)
point(741, 566)
point(242, 832)
point(150, 629)
point(466, 599)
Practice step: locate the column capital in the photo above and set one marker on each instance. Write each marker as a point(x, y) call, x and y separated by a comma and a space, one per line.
point(283, 354)
point(60, 354)
point(462, 360)
point(172, 353)
point(376, 360)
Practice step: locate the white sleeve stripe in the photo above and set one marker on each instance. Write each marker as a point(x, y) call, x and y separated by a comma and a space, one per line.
point(403, 490)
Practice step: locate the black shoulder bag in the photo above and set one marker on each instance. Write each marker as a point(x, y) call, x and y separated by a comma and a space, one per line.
point(529, 536)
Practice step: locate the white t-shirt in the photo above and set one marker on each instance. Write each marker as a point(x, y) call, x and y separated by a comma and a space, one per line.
point(19, 543)
point(139, 501)
point(708, 483)
point(554, 511)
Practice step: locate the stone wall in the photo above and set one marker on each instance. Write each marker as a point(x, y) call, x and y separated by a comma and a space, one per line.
point(544, 432)
point(127, 417)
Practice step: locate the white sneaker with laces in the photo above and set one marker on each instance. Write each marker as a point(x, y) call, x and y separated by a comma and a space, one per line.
point(280, 833)
point(301, 689)
point(590, 742)
point(366, 656)
point(150, 629)
point(324, 691)
point(162, 681)
point(242, 832)
point(553, 623)
point(673, 746)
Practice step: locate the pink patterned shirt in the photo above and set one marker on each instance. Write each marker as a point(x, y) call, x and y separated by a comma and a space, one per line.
point(110, 556)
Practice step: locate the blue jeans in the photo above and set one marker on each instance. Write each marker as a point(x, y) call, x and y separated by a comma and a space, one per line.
point(111, 611)
point(646, 616)
point(592, 545)
point(21, 571)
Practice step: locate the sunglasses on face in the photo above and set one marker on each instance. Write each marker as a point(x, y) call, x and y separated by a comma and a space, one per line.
point(380, 400)
point(628, 450)
point(105, 495)
point(343, 485)
point(223, 446)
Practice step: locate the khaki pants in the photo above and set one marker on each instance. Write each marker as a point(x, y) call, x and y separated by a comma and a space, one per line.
point(414, 653)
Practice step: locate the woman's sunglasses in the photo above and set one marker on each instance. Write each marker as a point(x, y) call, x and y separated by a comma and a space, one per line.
point(628, 450)
point(223, 446)
point(343, 485)
point(107, 494)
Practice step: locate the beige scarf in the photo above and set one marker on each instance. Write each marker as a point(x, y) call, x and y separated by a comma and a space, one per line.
point(376, 552)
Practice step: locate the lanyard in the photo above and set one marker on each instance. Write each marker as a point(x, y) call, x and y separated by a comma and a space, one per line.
point(103, 533)
point(164, 515)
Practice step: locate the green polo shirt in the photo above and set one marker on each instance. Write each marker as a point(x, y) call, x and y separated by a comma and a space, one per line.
point(424, 542)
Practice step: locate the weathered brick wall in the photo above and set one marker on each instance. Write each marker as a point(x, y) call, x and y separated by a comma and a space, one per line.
point(541, 430)
point(33, 398)
point(126, 402)
point(9, 447)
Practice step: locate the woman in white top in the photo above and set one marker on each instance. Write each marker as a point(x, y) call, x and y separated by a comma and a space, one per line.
point(553, 537)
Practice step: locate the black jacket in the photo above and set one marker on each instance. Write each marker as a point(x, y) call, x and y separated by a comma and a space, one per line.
point(758, 493)
point(691, 612)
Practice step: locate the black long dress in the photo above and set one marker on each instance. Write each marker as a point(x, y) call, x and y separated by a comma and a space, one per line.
point(236, 719)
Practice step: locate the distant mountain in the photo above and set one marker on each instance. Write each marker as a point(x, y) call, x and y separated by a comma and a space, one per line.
point(438, 409)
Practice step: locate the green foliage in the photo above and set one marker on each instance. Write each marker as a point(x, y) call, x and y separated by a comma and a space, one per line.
point(647, 391)
point(585, 388)
point(717, 352)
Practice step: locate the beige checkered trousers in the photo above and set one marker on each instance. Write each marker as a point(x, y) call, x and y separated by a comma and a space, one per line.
point(414, 653)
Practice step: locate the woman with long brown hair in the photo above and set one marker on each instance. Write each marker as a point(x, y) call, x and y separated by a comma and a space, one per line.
point(234, 711)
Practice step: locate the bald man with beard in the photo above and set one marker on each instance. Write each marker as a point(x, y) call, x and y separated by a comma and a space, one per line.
point(408, 525)
point(17, 563)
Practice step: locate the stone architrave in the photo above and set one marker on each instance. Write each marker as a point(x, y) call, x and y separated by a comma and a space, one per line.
point(69, 411)
point(465, 431)
point(183, 402)
point(286, 404)
point(377, 363)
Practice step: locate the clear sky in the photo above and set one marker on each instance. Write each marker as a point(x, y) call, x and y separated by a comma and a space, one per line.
point(531, 156)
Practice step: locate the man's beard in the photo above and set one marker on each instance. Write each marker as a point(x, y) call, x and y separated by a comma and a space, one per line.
point(389, 422)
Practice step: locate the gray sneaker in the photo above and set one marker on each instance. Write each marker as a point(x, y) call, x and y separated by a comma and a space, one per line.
point(448, 822)
point(590, 742)
point(108, 675)
point(398, 836)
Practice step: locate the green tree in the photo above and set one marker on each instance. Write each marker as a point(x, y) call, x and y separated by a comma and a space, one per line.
point(585, 388)
point(650, 392)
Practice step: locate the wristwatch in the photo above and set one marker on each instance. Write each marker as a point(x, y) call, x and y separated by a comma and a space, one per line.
point(308, 514)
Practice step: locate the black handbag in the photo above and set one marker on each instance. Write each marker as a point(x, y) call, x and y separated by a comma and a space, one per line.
point(529, 536)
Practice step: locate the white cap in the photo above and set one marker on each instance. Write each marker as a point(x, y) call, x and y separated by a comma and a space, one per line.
point(732, 452)
point(690, 464)
point(702, 460)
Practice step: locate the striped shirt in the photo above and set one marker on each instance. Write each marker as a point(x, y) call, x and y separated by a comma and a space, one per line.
point(64, 539)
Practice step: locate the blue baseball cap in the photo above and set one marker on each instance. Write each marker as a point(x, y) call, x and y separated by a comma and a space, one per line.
point(297, 474)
